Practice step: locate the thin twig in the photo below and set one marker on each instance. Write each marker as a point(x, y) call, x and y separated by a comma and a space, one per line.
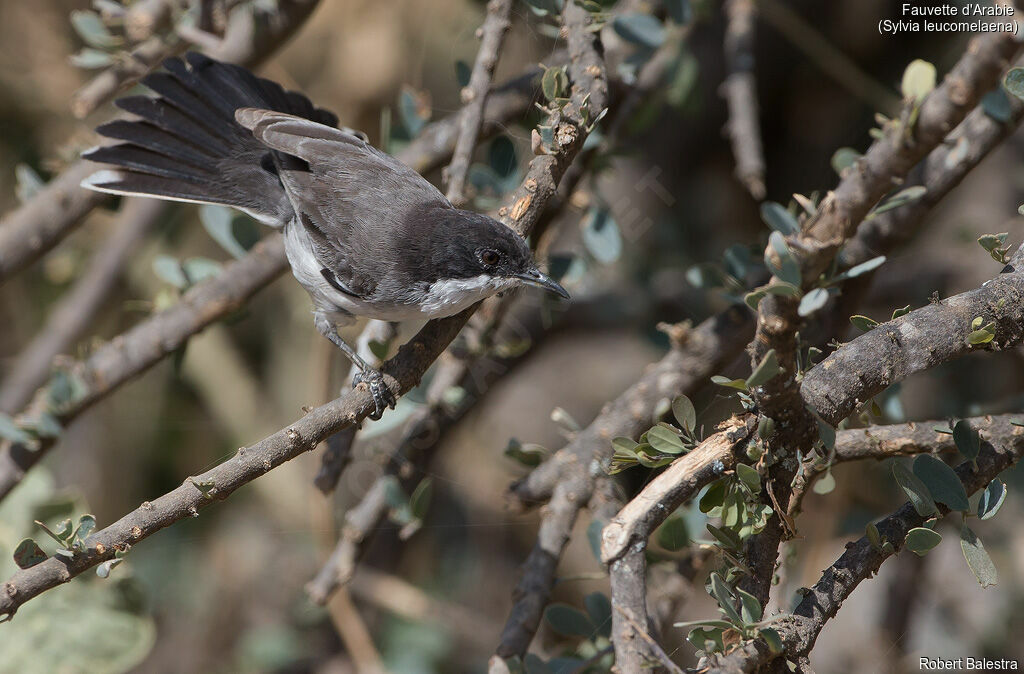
point(474, 96)
point(70, 317)
point(740, 92)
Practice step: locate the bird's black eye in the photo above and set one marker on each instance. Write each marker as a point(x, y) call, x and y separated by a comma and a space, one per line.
point(489, 257)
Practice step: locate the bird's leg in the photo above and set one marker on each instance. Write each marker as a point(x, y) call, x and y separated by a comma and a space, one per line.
point(382, 396)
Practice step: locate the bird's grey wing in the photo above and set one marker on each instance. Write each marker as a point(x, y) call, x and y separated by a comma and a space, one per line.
point(346, 192)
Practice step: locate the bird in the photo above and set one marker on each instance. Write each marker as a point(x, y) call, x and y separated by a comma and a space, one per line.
point(364, 234)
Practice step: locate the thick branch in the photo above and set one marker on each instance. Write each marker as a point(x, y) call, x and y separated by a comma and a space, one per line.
point(918, 341)
point(474, 96)
point(1002, 447)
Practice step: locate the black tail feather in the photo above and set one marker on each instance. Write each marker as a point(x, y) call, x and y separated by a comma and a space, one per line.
point(187, 145)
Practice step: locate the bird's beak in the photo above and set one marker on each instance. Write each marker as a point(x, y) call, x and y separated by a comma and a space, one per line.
point(535, 277)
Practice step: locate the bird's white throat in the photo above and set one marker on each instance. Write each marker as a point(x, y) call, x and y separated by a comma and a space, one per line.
point(450, 296)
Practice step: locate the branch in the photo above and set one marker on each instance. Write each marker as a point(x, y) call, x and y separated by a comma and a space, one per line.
point(740, 92)
point(1002, 447)
point(566, 480)
point(68, 320)
point(474, 96)
point(338, 453)
point(887, 161)
point(917, 341)
point(940, 172)
point(429, 420)
point(144, 345)
point(678, 483)
point(56, 210)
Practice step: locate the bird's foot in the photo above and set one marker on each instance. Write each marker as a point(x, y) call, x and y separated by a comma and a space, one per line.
point(383, 398)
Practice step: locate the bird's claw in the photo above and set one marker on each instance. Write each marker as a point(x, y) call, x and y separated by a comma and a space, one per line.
point(383, 398)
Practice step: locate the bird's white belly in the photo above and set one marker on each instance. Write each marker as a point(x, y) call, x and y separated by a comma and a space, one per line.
point(442, 298)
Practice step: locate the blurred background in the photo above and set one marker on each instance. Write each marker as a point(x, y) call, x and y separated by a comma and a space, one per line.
point(224, 592)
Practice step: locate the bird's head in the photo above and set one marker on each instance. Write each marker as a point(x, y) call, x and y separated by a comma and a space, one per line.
point(478, 247)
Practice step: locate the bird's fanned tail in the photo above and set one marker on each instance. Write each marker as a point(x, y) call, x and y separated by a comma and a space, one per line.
point(187, 146)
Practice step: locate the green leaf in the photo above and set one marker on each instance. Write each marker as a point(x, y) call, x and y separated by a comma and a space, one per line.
point(198, 269)
point(738, 384)
point(996, 105)
point(942, 482)
point(11, 431)
point(599, 610)
point(902, 311)
point(709, 641)
point(813, 301)
point(463, 71)
point(86, 525)
point(680, 11)
point(915, 490)
point(862, 268)
point(723, 624)
point(529, 455)
point(594, 530)
point(776, 216)
point(713, 497)
point(413, 110)
point(991, 499)
point(545, 7)
point(981, 336)
point(920, 540)
point(990, 242)
point(787, 268)
point(750, 606)
point(28, 182)
point(726, 537)
point(569, 621)
point(91, 29)
point(554, 83)
point(904, 196)
point(684, 412)
point(918, 80)
point(168, 269)
point(826, 484)
point(772, 638)
point(721, 591)
point(1014, 82)
point(419, 501)
point(601, 236)
point(766, 369)
point(218, 223)
point(28, 554)
point(966, 439)
point(844, 158)
point(665, 440)
point(979, 561)
point(673, 534)
point(103, 570)
point(863, 323)
point(640, 29)
point(750, 477)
